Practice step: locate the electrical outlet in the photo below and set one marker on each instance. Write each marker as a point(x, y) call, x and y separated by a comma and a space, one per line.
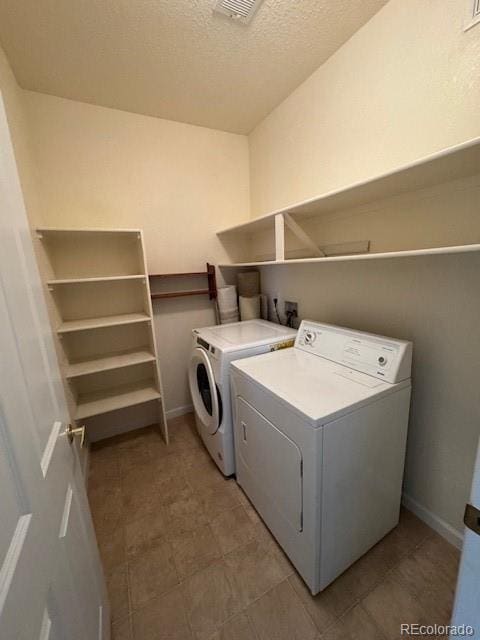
point(291, 308)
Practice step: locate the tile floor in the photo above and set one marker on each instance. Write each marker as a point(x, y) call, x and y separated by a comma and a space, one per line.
point(187, 558)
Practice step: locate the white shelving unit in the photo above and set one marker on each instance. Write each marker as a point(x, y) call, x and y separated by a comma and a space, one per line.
point(453, 164)
point(100, 306)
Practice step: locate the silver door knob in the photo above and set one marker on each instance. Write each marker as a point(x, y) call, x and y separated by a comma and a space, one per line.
point(75, 431)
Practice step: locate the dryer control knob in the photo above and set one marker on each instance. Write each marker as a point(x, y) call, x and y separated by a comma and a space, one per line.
point(310, 337)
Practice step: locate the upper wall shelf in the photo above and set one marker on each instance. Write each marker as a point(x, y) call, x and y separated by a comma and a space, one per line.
point(456, 162)
point(466, 248)
point(429, 196)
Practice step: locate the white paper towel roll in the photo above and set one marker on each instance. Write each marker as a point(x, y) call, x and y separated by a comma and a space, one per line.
point(227, 304)
point(249, 308)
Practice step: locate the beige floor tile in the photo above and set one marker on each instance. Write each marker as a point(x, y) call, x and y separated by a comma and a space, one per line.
point(165, 468)
point(219, 498)
point(233, 528)
point(171, 487)
point(117, 587)
point(200, 470)
point(359, 579)
point(280, 615)
point(139, 501)
point(253, 571)
point(249, 509)
point(164, 618)
point(103, 469)
point(134, 456)
point(107, 508)
point(142, 534)
point(122, 630)
point(443, 554)
point(210, 599)
point(263, 535)
point(244, 498)
point(426, 581)
point(391, 605)
point(131, 439)
point(237, 628)
point(157, 503)
point(185, 513)
point(111, 545)
point(391, 549)
point(151, 574)
point(412, 529)
point(194, 550)
point(184, 436)
point(356, 624)
point(325, 607)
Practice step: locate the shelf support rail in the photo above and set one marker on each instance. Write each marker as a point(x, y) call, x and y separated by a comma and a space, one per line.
point(303, 236)
point(279, 237)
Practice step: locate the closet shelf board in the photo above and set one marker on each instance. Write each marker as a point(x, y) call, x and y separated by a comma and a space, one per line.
point(106, 321)
point(108, 363)
point(67, 281)
point(92, 404)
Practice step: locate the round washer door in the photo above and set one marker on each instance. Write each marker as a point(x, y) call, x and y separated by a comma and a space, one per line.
point(204, 391)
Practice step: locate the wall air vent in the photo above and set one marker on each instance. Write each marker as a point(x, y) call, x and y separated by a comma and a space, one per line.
point(239, 10)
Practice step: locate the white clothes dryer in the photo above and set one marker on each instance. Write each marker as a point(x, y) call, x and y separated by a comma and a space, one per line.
point(320, 436)
point(213, 349)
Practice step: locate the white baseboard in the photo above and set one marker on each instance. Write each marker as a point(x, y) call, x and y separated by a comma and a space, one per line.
point(179, 411)
point(437, 524)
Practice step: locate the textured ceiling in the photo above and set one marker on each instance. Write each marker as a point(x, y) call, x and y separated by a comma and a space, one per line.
point(175, 59)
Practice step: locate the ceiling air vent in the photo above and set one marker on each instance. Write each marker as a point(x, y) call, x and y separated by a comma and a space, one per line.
point(240, 10)
point(472, 14)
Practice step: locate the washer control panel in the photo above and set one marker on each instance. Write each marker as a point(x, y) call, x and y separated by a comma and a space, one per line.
point(384, 358)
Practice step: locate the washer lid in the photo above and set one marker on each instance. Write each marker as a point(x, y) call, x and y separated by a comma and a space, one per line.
point(246, 334)
point(317, 388)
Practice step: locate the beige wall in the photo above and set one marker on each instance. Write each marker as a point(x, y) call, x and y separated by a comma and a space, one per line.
point(405, 85)
point(12, 97)
point(106, 168)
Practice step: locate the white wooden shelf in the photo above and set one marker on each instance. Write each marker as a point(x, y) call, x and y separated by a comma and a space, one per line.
point(96, 403)
point(108, 363)
point(58, 231)
point(106, 321)
point(119, 367)
point(461, 162)
point(66, 281)
point(467, 248)
point(456, 162)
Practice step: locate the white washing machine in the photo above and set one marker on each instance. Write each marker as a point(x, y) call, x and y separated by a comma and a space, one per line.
point(213, 349)
point(320, 436)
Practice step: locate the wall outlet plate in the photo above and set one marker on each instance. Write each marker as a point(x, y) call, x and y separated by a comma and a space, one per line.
point(291, 307)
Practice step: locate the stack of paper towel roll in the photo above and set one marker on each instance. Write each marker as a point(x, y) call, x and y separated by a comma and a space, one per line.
point(252, 303)
point(227, 304)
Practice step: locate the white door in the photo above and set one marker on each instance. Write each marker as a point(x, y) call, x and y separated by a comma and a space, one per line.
point(51, 584)
point(467, 600)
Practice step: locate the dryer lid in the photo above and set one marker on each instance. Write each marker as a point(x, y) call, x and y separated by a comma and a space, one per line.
point(319, 389)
